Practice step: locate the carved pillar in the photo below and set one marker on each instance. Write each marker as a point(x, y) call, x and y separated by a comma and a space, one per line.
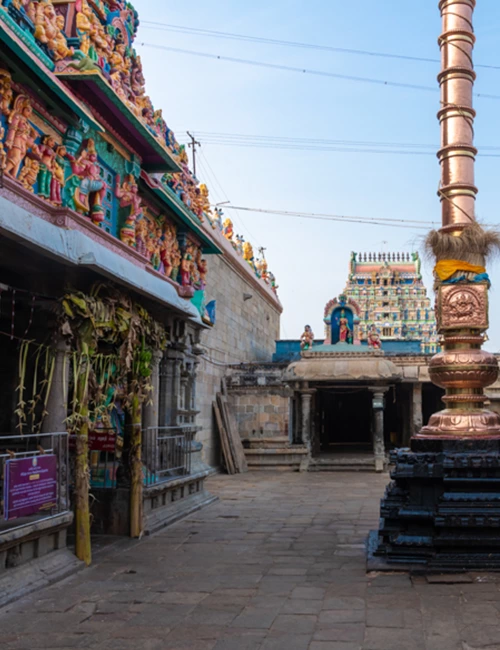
point(170, 387)
point(57, 412)
point(57, 404)
point(152, 407)
point(306, 417)
point(417, 407)
point(378, 405)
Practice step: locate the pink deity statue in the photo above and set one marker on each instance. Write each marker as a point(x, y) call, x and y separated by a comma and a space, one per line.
point(374, 338)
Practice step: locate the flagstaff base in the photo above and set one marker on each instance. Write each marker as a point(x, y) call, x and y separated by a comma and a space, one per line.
point(441, 512)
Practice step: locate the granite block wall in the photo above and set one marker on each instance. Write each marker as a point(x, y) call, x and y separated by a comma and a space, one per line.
point(260, 413)
point(248, 322)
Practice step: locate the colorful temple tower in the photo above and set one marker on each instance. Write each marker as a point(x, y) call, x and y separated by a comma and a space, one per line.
point(387, 290)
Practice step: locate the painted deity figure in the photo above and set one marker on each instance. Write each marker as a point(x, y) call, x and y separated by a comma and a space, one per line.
point(3, 154)
point(141, 235)
point(47, 153)
point(248, 252)
point(205, 200)
point(262, 269)
point(20, 136)
point(186, 269)
point(29, 173)
point(6, 93)
point(307, 338)
point(128, 194)
point(374, 338)
point(168, 249)
point(217, 220)
point(240, 240)
point(48, 30)
point(83, 25)
point(344, 329)
point(89, 188)
point(227, 229)
point(203, 271)
point(57, 180)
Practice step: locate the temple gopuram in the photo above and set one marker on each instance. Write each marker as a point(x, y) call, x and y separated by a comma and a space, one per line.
point(386, 290)
point(120, 288)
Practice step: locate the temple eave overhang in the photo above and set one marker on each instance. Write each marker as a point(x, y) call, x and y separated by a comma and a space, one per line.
point(96, 91)
point(168, 199)
point(74, 247)
point(29, 63)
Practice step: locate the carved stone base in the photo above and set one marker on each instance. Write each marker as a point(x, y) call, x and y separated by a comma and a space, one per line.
point(441, 512)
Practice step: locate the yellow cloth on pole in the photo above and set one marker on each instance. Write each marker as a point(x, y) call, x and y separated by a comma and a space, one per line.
point(445, 269)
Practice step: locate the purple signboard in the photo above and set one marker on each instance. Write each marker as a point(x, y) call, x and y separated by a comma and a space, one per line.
point(30, 485)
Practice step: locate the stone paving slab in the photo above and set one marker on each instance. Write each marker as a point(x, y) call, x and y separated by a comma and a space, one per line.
point(277, 564)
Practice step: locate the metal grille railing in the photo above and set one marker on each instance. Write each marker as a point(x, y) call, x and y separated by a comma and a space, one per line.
point(34, 481)
point(166, 453)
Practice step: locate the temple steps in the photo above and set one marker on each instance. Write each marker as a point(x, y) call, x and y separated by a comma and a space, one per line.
point(343, 463)
point(274, 454)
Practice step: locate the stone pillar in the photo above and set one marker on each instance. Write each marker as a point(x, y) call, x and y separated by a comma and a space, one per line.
point(418, 418)
point(170, 387)
point(306, 418)
point(151, 415)
point(57, 403)
point(378, 405)
point(57, 412)
point(152, 406)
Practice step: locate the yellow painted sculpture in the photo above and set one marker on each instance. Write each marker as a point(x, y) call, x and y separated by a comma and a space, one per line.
point(84, 26)
point(29, 173)
point(48, 30)
point(227, 229)
point(248, 252)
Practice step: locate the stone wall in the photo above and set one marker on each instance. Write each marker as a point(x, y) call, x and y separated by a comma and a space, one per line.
point(248, 322)
point(260, 400)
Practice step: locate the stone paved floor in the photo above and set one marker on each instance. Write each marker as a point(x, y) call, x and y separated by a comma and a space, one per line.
point(277, 564)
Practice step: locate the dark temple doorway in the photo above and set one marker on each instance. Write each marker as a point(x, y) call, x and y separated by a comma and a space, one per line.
point(343, 421)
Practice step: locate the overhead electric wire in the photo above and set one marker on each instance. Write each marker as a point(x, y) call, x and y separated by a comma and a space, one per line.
point(374, 221)
point(289, 68)
point(213, 175)
point(325, 145)
point(297, 44)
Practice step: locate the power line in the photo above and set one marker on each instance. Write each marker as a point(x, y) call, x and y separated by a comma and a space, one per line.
point(214, 176)
point(273, 138)
point(272, 41)
point(319, 73)
point(374, 221)
point(319, 145)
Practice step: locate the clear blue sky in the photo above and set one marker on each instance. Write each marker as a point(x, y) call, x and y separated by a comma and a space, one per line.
point(310, 258)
